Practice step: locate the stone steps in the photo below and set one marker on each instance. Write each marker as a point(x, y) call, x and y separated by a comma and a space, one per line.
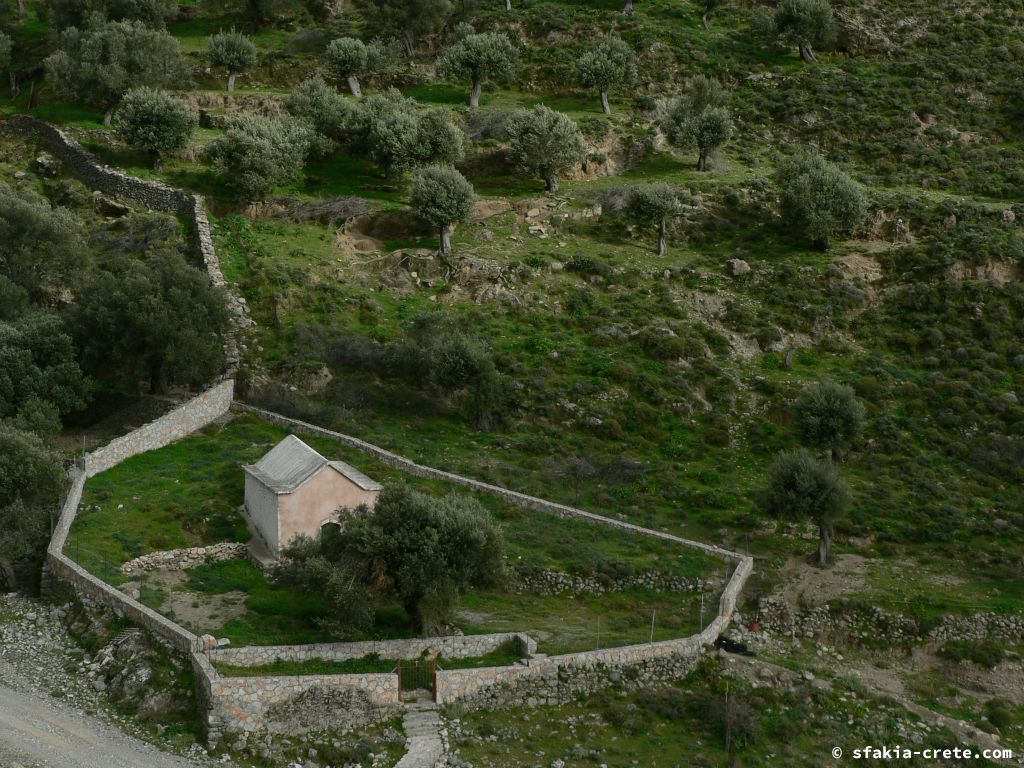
point(423, 745)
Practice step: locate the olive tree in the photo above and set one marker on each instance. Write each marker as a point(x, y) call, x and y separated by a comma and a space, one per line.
point(610, 64)
point(702, 92)
point(708, 7)
point(544, 143)
point(807, 24)
point(347, 58)
point(653, 204)
point(6, 47)
point(258, 13)
point(32, 481)
point(74, 13)
point(234, 52)
point(255, 154)
point(828, 416)
point(99, 63)
point(479, 57)
point(156, 323)
point(394, 132)
point(42, 249)
point(155, 121)
point(322, 108)
point(705, 131)
point(423, 551)
point(442, 197)
point(818, 198)
point(803, 488)
point(40, 380)
point(406, 19)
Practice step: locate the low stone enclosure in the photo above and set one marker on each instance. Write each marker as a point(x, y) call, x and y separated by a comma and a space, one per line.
point(253, 704)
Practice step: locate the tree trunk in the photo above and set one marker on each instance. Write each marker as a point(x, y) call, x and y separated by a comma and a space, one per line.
point(474, 95)
point(662, 237)
point(604, 103)
point(706, 20)
point(552, 182)
point(807, 53)
point(824, 537)
point(628, 10)
point(9, 577)
point(15, 90)
point(33, 99)
point(407, 42)
point(702, 162)
point(353, 85)
point(157, 159)
point(508, 5)
point(108, 116)
point(837, 454)
point(446, 240)
point(22, 10)
point(231, 80)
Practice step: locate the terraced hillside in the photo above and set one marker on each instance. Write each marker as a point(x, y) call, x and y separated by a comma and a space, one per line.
point(555, 351)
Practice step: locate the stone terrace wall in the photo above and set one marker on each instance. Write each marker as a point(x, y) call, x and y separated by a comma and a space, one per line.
point(452, 647)
point(181, 422)
point(514, 497)
point(151, 194)
point(292, 703)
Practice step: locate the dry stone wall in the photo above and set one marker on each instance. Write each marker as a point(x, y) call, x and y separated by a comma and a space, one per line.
point(451, 647)
point(514, 497)
point(80, 163)
point(291, 703)
point(188, 557)
point(181, 422)
point(312, 702)
point(559, 679)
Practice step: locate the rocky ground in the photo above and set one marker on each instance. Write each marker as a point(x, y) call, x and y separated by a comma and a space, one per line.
point(52, 709)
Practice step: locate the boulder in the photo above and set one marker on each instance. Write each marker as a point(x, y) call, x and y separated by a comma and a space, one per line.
point(737, 267)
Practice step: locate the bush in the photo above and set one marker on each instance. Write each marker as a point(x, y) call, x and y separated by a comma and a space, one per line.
point(987, 653)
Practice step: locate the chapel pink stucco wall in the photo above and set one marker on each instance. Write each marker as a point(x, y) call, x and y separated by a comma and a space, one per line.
point(316, 501)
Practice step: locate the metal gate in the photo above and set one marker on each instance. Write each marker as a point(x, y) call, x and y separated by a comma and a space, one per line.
point(417, 675)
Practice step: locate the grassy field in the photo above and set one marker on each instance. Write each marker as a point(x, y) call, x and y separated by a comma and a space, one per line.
point(506, 654)
point(188, 493)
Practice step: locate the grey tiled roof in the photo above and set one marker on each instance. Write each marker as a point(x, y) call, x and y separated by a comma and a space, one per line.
point(291, 463)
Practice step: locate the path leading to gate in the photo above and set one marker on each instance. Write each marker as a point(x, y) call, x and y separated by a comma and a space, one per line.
point(423, 745)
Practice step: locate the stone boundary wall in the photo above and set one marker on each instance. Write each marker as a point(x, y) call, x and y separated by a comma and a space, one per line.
point(451, 647)
point(92, 590)
point(81, 163)
point(497, 685)
point(181, 422)
point(514, 497)
point(244, 704)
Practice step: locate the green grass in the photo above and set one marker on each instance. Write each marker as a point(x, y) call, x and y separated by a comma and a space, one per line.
point(187, 494)
point(506, 654)
point(366, 664)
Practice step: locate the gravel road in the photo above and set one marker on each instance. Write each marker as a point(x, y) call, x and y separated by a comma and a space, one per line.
point(51, 715)
point(36, 730)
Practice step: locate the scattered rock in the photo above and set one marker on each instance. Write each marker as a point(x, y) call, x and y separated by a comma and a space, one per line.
point(737, 267)
point(47, 164)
